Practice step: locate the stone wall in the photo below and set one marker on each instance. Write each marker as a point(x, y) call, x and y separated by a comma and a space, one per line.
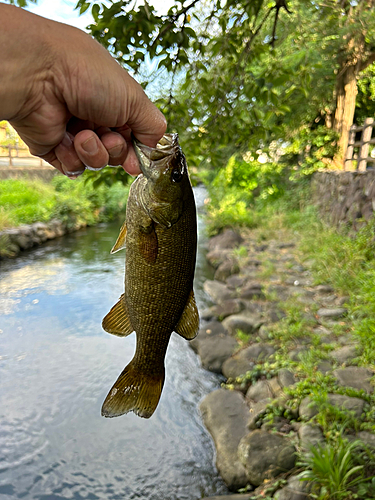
point(13, 241)
point(345, 197)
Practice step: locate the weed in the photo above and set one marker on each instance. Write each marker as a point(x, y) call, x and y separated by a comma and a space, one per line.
point(334, 470)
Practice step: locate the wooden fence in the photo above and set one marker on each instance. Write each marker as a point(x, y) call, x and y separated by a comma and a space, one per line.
point(15, 155)
point(362, 145)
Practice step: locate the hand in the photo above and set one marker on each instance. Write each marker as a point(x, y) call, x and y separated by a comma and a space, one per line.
point(68, 99)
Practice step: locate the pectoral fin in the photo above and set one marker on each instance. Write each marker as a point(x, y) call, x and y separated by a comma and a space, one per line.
point(188, 324)
point(120, 242)
point(148, 243)
point(117, 320)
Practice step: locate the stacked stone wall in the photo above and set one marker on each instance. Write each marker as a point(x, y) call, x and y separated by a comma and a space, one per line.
point(345, 197)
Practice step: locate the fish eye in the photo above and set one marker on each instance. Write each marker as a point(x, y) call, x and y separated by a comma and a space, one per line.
point(176, 175)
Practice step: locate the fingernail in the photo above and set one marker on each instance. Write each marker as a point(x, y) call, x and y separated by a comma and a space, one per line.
point(90, 146)
point(116, 151)
point(70, 174)
point(66, 142)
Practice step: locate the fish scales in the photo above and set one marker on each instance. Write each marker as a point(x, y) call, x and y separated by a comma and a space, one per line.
point(160, 238)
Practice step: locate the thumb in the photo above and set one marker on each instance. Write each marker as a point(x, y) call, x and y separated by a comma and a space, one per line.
point(147, 123)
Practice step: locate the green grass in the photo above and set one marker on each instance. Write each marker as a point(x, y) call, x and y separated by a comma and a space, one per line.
point(73, 202)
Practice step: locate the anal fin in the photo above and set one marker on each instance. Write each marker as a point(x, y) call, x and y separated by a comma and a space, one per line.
point(117, 321)
point(188, 324)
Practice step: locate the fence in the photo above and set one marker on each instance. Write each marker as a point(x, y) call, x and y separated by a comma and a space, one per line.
point(362, 157)
point(13, 156)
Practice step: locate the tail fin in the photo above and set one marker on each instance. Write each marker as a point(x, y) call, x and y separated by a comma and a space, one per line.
point(133, 391)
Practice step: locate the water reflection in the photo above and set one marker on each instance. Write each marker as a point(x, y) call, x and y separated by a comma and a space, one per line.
point(56, 366)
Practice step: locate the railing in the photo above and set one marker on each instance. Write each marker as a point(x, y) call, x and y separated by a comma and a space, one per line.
point(14, 156)
point(363, 144)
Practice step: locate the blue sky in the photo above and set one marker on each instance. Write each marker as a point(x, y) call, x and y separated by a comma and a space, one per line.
point(63, 11)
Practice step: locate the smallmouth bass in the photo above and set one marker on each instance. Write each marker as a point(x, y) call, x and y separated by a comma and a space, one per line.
point(160, 235)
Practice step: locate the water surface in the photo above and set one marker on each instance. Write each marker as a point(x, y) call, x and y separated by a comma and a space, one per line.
point(56, 367)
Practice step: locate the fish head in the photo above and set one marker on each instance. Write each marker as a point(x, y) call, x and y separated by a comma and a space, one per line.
point(164, 167)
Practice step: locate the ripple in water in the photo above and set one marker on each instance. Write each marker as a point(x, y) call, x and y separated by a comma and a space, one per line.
point(56, 366)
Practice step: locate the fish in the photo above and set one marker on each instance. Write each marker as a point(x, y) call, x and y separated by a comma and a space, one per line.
point(160, 237)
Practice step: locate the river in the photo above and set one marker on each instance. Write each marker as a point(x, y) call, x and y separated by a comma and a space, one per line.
point(56, 367)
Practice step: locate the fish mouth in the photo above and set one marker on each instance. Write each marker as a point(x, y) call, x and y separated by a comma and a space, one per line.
point(167, 146)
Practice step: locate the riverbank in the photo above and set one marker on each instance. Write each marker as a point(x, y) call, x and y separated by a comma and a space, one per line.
point(294, 340)
point(33, 211)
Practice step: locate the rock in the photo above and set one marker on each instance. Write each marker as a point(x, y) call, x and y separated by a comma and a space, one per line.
point(265, 455)
point(344, 354)
point(251, 292)
point(276, 315)
point(295, 354)
point(225, 414)
point(235, 281)
point(368, 438)
point(245, 359)
point(298, 281)
point(307, 409)
point(355, 405)
point(309, 435)
point(285, 245)
point(228, 308)
point(257, 410)
point(356, 377)
point(264, 333)
point(215, 350)
point(236, 496)
point(225, 269)
point(337, 312)
point(234, 367)
point(218, 256)
point(210, 330)
point(324, 367)
point(217, 291)
point(294, 490)
point(286, 377)
point(260, 391)
point(264, 389)
point(246, 322)
point(208, 314)
point(227, 239)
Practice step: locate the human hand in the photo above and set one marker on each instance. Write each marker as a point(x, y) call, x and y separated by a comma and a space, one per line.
point(72, 103)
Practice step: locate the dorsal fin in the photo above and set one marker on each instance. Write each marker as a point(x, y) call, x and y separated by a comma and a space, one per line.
point(117, 321)
point(188, 324)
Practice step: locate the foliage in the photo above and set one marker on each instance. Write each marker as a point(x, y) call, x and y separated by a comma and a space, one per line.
point(335, 471)
point(26, 201)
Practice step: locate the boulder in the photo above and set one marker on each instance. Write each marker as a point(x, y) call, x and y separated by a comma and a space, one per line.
point(227, 308)
point(294, 490)
point(225, 269)
point(227, 239)
point(286, 377)
point(225, 414)
point(210, 330)
point(345, 354)
point(215, 351)
point(337, 312)
point(308, 409)
point(235, 281)
point(218, 256)
point(217, 291)
point(246, 322)
point(356, 377)
point(235, 496)
point(245, 359)
point(265, 455)
point(260, 391)
point(309, 435)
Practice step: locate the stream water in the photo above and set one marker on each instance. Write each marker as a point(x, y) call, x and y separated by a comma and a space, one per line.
point(56, 367)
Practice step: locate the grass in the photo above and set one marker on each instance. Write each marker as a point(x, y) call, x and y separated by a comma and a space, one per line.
point(28, 201)
point(338, 468)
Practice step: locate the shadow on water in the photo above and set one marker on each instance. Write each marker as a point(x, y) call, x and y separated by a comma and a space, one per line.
point(56, 366)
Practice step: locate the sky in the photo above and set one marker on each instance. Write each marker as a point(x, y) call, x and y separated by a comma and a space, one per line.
point(63, 11)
